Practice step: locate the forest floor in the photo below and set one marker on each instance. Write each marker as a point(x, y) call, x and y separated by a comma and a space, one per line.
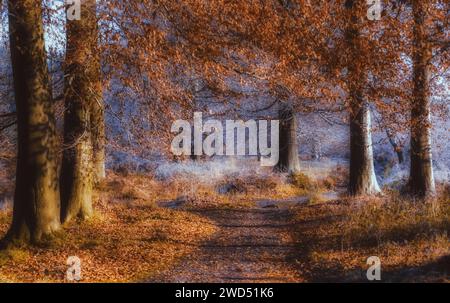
point(251, 245)
point(229, 231)
point(308, 243)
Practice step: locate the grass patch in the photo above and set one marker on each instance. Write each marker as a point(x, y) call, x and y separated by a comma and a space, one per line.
point(411, 239)
point(302, 182)
point(328, 183)
point(396, 219)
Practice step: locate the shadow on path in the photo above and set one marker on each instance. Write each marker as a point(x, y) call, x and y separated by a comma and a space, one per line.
point(252, 245)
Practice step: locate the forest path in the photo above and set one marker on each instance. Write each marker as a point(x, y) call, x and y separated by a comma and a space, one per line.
point(251, 245)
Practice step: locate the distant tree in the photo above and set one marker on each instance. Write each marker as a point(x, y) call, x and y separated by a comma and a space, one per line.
point(97, 105)
point(98, 133)
point(289, 161)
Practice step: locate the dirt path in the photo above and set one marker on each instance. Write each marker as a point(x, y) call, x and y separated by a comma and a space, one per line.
point(290, 241)
point(252, 245)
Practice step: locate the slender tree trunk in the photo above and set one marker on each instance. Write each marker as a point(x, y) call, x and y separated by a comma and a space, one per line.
point(317, 150)
point(97, 112)
point(362, 173)
point(36, 198)
point(98, 138)
point(395, 146)
point(289, 161)
point(421, 174)
point(77, 172)
point(400, 156)
point(193, 156)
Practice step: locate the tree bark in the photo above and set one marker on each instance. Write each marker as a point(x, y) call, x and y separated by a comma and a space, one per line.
point(193, 156)
point(289, 161)
point(97, 112)
point(362, 173)
point(36, 198)
point(98, 138)
point(421, 182)
point(81, 87)
point(395, 146)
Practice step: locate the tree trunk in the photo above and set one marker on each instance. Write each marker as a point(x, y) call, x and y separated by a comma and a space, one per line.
point(317, 150)
point(395, 146)
point(193, 156)
point(81, 80)
point(362, 173)
point(36, 198)
point(97, 113)
point(400, 156)
point(289, 161)
point(421, 181)
point(98, 138)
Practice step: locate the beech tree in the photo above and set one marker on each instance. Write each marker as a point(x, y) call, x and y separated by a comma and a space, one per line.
point(421, 172)
point(362, 172)
point(83, 156)
point(289, 160)
point(98, 130)
point(36, 210)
